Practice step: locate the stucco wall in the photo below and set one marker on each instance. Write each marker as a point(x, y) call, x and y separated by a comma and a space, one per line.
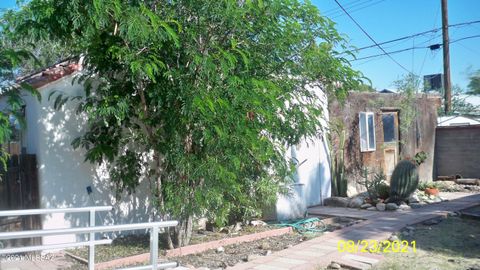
point(419, 137)
point(62, 173)
point(312, 177)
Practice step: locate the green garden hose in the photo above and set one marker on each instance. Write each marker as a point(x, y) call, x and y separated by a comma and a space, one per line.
point(307, 225)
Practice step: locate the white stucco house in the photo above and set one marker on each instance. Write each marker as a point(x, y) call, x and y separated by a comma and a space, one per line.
point(64, 177)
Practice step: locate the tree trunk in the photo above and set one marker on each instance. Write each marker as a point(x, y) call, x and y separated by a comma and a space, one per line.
point(159, 195)
point(169, 239)
point(183, 232)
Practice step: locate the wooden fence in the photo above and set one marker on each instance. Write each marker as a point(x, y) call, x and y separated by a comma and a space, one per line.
point(19, 190)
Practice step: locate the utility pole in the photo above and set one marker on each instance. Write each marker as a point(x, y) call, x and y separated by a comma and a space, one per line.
point(446, 59)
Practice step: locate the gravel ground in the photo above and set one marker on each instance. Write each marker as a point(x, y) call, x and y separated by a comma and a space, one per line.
point(221, 257)
point(138, 244)
point(233, 254)
point(449, 186)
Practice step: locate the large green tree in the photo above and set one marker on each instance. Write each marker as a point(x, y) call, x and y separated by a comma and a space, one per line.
point(200, 98)
point(474, 84)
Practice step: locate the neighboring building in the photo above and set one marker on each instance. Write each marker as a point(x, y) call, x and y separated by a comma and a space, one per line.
point(388, 91)
point(457, 120)
point(375, 138)
point(457, 149)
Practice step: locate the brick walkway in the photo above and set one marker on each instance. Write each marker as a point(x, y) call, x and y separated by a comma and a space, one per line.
point(321, 251)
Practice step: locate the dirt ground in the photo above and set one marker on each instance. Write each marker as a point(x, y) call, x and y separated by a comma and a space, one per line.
point(233, 254)
point(215, 258)
point(452, 244)
point(138, 244)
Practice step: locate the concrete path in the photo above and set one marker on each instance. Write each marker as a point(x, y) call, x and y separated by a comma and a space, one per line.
point(320, 252)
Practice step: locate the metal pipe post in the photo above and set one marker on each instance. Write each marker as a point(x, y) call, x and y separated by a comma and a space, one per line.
point(154, 247)
point(91, 239)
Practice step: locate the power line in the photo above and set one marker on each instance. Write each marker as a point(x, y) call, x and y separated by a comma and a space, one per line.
point(358, 9)
point(365, 32)
point(460, 39)
point(413, 48)
point(347, 6)
point(392, 52)
point(432, 38)
point(339, 11)
point(417, 34)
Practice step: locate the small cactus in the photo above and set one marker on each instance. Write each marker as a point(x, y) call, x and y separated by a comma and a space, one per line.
point(383, 191)
point(404, 181)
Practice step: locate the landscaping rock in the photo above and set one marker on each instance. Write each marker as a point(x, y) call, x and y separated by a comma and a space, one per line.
point(404, 207)
point(391, 206)
point(202, 224)
point(373, 208)
point(265, 246)
point(380, 206)
point(238, 227)
point(267, 252)
point(453, 214)
point(365, 206)
point(250, 257)
point(336, 201)
point(434, 221)
point(220, 250)
point(258, 223)
point(231, 262)
point(334, 265)
point(211, 227)
point(413, 198)
point(393, 238)
point(356, 202)
point(416, 205)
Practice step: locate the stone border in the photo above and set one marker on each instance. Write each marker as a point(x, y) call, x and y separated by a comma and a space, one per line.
point(192, 249)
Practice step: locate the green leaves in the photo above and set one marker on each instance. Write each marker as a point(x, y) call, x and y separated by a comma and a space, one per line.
point(212, 92)
point(474, 84)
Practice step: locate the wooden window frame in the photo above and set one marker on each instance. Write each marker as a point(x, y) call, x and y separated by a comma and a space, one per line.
point(365, 131)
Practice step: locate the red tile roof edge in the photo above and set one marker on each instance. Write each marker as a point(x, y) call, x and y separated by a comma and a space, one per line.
point(52, 73)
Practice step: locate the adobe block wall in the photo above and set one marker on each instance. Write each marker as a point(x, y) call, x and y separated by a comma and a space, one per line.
point(457, 151)
point(419, 137)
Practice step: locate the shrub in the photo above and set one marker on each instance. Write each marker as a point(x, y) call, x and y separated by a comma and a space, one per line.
point(383, 191)
point(377, 187)
point(424, 185)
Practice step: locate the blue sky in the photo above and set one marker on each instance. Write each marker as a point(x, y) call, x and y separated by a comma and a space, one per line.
point(390, 19)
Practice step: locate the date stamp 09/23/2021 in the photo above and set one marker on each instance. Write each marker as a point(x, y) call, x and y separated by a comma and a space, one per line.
point(376, 246)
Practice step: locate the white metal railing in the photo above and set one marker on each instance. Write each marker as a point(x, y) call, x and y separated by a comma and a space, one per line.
point(91, 230)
